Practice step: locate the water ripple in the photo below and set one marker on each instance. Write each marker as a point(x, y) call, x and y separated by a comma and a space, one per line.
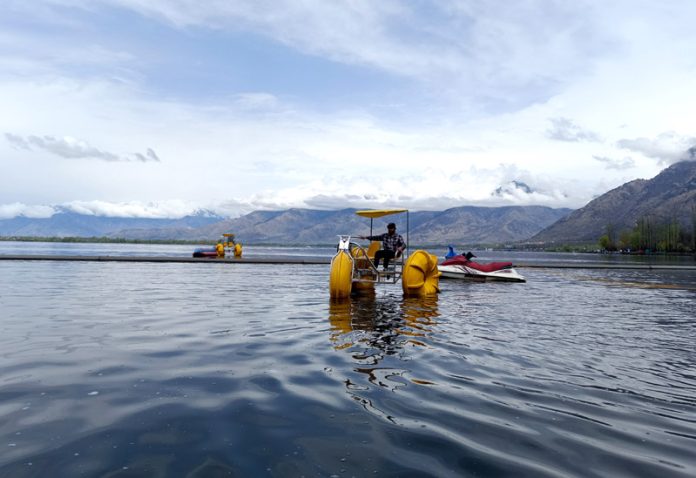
point(127, 369)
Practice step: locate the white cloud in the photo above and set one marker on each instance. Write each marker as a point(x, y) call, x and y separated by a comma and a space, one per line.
point(618, 164)
point(72, 148)
point(151, 210)
point(434, 189)
point(563, 129)
point(667, 147)
point(8, 211)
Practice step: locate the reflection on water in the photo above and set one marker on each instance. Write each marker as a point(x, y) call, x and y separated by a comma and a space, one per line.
point(381, 327)
point(372, 330)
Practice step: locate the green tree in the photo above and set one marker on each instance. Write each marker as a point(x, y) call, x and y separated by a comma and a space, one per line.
point(646, 234)
point(608, 240)
point(626, 239)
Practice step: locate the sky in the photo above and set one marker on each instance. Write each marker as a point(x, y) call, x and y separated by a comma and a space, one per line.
point(160, 108)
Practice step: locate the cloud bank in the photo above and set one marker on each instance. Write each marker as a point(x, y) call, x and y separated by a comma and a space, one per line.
point(8, 211)
point(132, 209)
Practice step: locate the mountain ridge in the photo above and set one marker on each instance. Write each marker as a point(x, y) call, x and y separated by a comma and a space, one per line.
point(460, 225)
point(669, 196)
point(66, 223)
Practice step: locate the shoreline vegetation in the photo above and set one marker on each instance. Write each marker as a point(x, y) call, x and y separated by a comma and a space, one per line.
point(120, 240)
point(650, 235)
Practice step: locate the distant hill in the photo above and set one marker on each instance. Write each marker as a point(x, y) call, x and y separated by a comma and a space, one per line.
point(669, 195)
point(484, 225)
point(66, 223)
point(461, 225)
point(465, 225)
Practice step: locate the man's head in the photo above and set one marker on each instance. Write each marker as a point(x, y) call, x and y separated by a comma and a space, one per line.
point(391, 228)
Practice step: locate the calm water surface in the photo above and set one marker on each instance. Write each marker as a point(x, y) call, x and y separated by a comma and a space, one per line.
point(138, 369)
point(182, 250)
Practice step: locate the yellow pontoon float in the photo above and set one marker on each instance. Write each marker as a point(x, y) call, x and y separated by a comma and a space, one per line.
point(353, 269)
point(231, 245)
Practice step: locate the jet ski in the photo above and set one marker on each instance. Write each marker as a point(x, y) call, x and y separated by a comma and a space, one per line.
point(462, 267)
point(205, 252)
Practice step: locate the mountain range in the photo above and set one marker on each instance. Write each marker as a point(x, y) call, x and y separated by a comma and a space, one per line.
point(669, 196)
point(461, 225)
point(65, 223)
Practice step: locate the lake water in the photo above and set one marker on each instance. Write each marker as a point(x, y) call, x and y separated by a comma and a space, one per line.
point(182, 250)
point(142, 369)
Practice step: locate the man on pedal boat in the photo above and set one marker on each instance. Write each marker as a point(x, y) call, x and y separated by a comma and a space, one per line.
point(392, 245)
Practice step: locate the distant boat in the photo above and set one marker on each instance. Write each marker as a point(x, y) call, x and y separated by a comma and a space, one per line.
point(225, 244)
point(205, 252)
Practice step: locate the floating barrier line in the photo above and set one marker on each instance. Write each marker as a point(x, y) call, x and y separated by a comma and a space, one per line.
point(321, 260)
point(175, 259)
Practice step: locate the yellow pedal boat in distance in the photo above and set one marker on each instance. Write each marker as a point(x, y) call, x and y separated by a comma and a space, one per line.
point(353, 268)
point(226, 245)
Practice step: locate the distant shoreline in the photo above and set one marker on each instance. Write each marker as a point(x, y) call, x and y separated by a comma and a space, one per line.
point(101, 240)
point(461, 246)
point(568, 248)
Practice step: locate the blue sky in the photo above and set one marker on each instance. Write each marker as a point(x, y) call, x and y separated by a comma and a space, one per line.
point(157, 108)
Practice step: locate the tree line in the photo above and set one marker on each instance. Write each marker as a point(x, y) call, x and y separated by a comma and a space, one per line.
point(652, 235)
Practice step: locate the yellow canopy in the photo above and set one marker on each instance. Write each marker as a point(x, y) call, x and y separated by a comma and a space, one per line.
point(374, 213)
